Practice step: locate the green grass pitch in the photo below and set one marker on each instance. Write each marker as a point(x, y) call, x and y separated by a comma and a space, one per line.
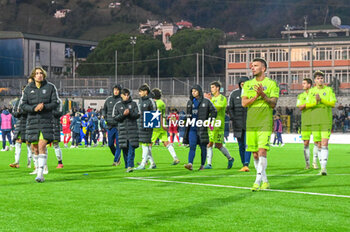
point(91, 195)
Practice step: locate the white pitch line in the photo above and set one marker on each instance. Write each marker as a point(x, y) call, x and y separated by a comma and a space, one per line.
point(238, 187)
point(291, 175)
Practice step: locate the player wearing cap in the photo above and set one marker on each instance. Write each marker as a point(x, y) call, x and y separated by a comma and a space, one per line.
point(260, 95)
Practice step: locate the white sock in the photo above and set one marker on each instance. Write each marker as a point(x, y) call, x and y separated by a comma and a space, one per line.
point(263, 162)
point(29, 153)
point(150, 157)
point(258, 172)
point(172, 151)
point(35, 159)
point(144, 155)
point(47, 154)
point(18, 147)
point(307, 155)
point(324, 157)
point(42, 160)
point(209, 155)
point(225, 152)
point(58, 152)
point(315, 157)
point(256, 163)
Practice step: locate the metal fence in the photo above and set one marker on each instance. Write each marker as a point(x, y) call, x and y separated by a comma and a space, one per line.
point(102, 85)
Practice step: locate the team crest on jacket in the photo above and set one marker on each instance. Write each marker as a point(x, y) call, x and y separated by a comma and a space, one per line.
point(130, 106)
point(203, 105)
point(32, 91)
point(144, 105)
point(44, 91)
point(324, 94)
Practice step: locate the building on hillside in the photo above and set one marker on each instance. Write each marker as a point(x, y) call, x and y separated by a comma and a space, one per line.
point(168, 29)
point(114, 5)
point(20, 52)
point(148, 26)
point(61, 13)
point(184, 24)
point(290, 60)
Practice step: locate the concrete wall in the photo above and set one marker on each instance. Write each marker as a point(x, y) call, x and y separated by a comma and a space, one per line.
point(55, 49)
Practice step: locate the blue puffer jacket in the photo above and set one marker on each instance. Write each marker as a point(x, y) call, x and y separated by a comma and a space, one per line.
point(76, 124)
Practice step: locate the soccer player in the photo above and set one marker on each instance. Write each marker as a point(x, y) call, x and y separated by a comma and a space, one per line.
point(65, 122)
point(238, 116)
point(112, 131)
point(216, 134)
point(303, 103)
point(161, 133)
point(324, 100)
point(198, 109)
point(39, 99)
point(126, 114)
point(260, 95)
point(146, 103)
point(57, 113)
point(173, 118)
point(20, 133)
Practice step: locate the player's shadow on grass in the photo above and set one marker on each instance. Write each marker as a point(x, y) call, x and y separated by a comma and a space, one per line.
point(298, 183)
point(83, 169)
point(190, 211)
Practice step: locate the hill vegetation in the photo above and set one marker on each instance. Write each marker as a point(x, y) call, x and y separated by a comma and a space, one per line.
point(93, 20)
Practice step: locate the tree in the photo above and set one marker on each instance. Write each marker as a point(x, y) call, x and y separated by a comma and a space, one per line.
point(190, 41)
point(179, 62)
point(145, 49)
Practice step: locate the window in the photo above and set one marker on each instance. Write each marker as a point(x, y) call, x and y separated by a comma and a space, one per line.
point(300, 54)
point(323, 53)
point(278, 55)
point(341, 53)
point(234, 77)
point(167, 38)
point(299, 76)
point(37, 50)
point(56, 70)
point(342, 75)
point(237, 56)
point(279, 77)
point(257, 54)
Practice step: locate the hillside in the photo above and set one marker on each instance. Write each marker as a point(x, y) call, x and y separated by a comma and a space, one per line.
point(92, 19)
